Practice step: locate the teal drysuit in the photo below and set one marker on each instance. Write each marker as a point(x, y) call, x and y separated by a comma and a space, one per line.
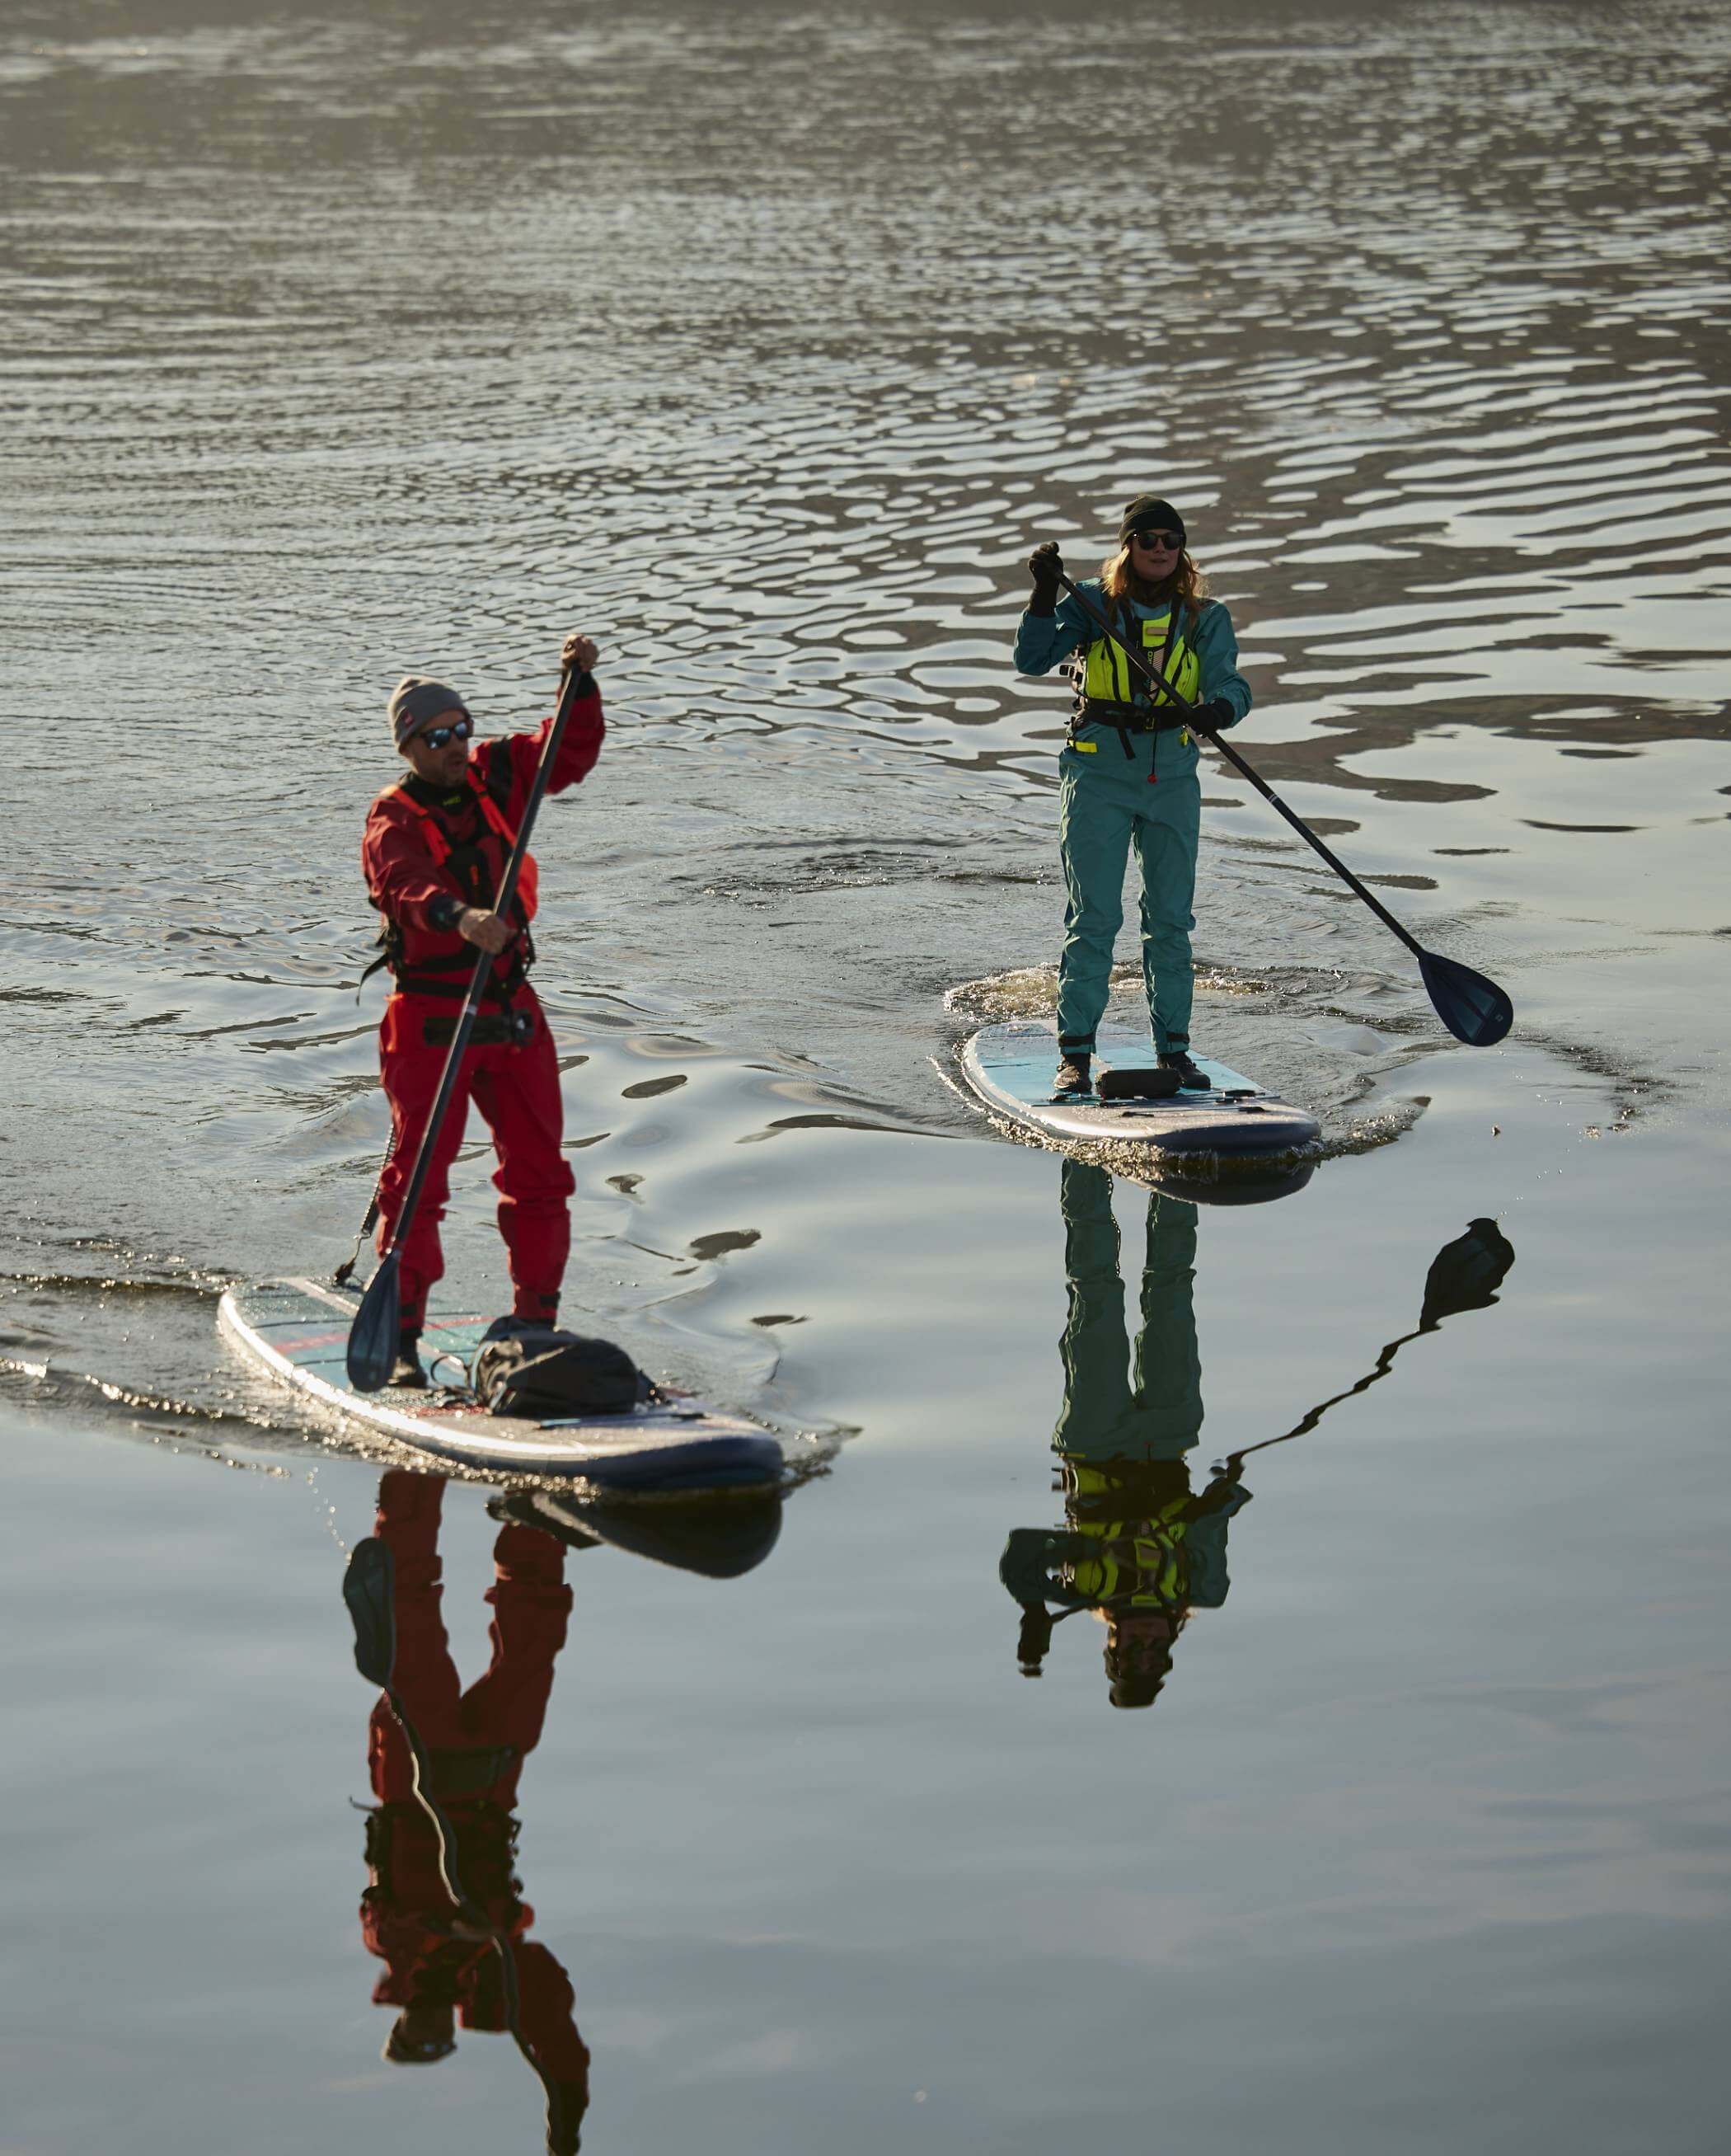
point(1115, 1409)
point(1106, 803)
point(1137, 1543)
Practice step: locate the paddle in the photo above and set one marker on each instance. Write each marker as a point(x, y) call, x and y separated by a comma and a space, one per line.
point(1465, 1275)
point(1474, 1009)
point(373, 1336)
point(369, 1586)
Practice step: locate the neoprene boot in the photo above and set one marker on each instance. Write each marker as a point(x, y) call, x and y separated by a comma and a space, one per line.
point(1189, 1077)
point(405, 1372)
point(1072, 1073)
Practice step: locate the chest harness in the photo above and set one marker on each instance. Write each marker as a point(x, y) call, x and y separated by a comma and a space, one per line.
point(474, 872)
point(1109, 695)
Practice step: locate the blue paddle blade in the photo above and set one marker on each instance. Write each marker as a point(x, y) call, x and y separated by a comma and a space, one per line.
point(1474, 1009)
point(372, 1337)
point(368, 1587)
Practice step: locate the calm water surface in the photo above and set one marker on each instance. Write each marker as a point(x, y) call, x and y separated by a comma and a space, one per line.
point(764, 344)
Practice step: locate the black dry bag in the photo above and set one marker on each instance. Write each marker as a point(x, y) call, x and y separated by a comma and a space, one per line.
point(1137, 1085)
point(543, 1372)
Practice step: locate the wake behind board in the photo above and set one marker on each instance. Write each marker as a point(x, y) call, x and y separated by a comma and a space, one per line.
point(299, 1329)
point(1011, 1066)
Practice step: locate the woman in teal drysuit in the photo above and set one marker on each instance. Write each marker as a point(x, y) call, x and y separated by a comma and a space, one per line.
point(1128, 773)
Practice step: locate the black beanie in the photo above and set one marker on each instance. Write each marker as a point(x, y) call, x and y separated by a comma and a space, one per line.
point(415, 700)
point(1148, 512)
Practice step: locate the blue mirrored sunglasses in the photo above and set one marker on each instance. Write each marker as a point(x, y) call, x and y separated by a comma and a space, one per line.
point(437, 736)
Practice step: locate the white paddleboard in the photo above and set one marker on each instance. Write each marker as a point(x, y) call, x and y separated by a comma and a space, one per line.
point(1012, 1067)
point(299, 1329)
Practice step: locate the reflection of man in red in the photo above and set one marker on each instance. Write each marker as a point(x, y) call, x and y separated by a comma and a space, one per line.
point(440, 1967)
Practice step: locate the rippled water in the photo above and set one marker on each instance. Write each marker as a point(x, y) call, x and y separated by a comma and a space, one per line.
point(763, 344)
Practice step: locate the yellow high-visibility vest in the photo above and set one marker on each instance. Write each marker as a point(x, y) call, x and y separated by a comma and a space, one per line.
point(1141, 1562)
point(1106, 674)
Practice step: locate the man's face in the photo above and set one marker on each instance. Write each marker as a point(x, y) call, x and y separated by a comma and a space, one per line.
point(438, 752)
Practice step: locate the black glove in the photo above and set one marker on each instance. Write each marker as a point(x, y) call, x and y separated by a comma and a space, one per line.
point(1045, 565)
point(1216, 713)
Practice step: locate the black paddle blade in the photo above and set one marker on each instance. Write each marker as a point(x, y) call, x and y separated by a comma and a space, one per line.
point(1474, 1009)
point(1465, 1274)
point(369, 1588)
point(372, 1337)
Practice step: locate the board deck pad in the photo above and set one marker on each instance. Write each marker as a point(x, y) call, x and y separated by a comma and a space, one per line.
point(299, 1329)
point(1012, 1067)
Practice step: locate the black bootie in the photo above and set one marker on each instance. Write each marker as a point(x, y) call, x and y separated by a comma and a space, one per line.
point(1072, 1074)
point(405, 1372)
point(1189, 1077)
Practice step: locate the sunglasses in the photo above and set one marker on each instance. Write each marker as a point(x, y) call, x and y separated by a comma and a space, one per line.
point(437, 736)
point(1170, 542)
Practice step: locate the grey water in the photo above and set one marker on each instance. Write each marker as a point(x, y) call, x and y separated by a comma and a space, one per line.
point(1369, 1792)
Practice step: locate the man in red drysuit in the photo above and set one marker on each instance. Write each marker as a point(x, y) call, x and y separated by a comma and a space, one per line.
point(440, 1970)
point(434, 853)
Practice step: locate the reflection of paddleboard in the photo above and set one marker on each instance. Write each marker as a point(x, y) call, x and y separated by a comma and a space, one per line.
point(1011, 1068)
point(299, 1329)
point(718, 1537)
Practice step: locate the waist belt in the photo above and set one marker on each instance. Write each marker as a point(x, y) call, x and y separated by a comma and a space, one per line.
point(1128, 718)
point(451, 976)
point(492, 1029)
point(1125, 719)
point(468, 1774)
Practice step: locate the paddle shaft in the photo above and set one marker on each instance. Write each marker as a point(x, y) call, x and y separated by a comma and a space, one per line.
point(484, 966)
point(1384, 1363)
point(1161, 687)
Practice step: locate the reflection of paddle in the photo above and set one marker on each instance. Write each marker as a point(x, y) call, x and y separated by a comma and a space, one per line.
point(373, 1336)
point(369, 1588)
point(1474, 1009)
point(1465, 1275)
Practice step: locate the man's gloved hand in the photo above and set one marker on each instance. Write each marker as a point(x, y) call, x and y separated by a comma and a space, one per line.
point(579, 651)
point(487, 931)
point(1045, 565)
point(565, 2129)
point(1214, 715)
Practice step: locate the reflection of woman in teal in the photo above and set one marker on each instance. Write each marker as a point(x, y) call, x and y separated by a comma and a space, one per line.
point(1139, 1548)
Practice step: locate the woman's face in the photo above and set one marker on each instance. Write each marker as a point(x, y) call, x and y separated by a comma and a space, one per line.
point(1153, 554)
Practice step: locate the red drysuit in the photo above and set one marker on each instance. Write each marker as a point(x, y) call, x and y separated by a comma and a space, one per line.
point(427, 853)
point(476, 1741)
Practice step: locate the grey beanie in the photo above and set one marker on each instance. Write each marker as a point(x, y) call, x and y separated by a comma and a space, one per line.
point(415, 701)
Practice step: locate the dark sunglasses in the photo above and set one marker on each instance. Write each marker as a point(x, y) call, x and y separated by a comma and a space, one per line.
point(437, 736)
point(1171, 541)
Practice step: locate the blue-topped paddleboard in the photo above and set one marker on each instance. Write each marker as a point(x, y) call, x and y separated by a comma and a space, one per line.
point(299, 1329)
point(1012, 1068)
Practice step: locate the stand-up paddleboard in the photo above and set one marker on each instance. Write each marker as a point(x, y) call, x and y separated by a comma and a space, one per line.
point(299, 1329)
point(1010, 1067)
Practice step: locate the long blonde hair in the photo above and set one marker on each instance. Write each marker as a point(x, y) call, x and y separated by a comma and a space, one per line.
point(1187, 584)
